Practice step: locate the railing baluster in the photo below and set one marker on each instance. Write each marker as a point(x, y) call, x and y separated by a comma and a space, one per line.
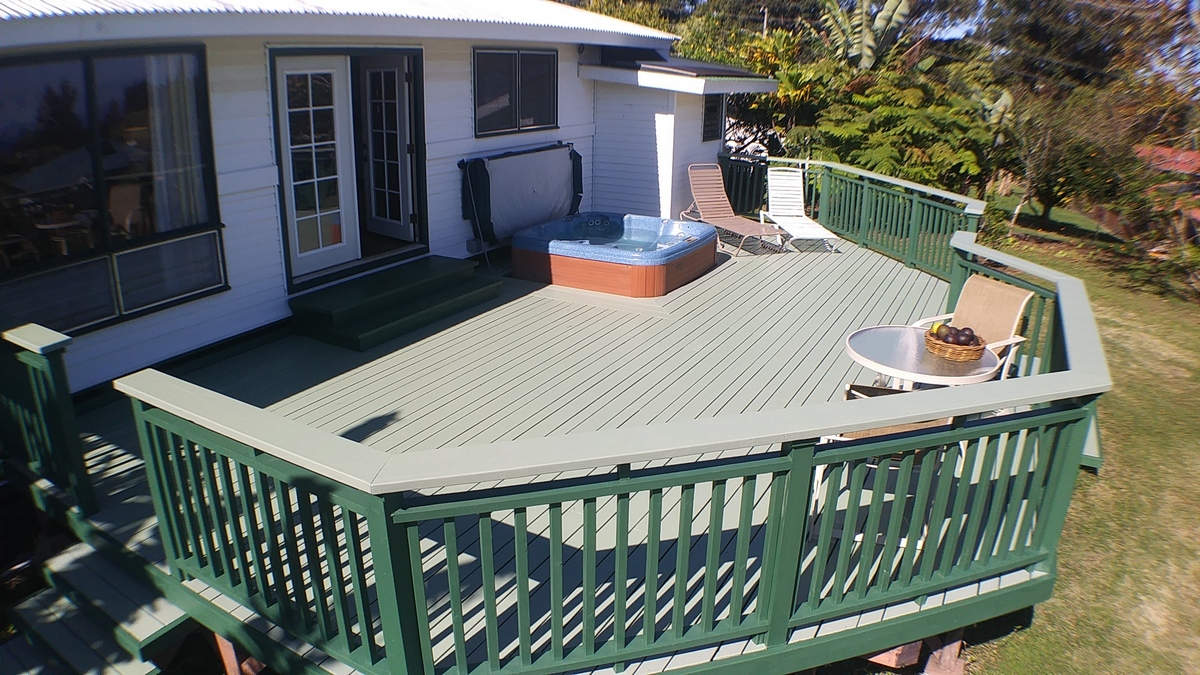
point(487, 556)
point(870, 530)
point(454, 586)
point(999, 498)
point(850, 525)
point(178, 452)
point(917, 525)
point(716, 514)
point(828, 514)
point(937, 514)
point(653, 540)
point(256, 529)
point(741, 556)
point(962, 490)
point(239, 564)
point(621, 571)
point(556, 580)
point(979, 503)
point(683, 548)
point(891, 542)
point(589, 576)
point(1017, 497)
point(358, 579)
point(521, 542)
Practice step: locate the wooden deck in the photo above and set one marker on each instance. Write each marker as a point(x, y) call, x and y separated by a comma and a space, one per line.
point(756, 333)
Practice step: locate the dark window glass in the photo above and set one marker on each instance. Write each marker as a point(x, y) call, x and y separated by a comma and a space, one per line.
point(89, 181)
point(150, 147)
point(538, 86)
point(158, 273)
point(495, 84)
point(515, 90)
point(714, 117)
point(47, 176)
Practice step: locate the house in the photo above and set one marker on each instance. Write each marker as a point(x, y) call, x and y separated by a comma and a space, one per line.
point(183, 187)
point(1186, 165)
point(504, 476)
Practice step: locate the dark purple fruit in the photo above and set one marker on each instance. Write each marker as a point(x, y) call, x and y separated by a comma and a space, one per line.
point(968, 331)
point(976, 341)
point(964, 339)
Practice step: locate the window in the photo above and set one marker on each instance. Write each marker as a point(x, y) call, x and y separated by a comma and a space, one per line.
point(107, 199)
point(714, 117)
point(515, 90)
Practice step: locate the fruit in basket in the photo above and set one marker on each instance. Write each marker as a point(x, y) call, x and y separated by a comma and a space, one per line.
point(964, 338)
point(940, 330)
point(968, 331)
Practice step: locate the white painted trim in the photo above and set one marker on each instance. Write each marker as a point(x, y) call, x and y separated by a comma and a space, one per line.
point(37, 338)
point(680, 83)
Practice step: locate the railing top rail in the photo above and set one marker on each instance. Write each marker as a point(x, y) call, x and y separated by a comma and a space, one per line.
point(971, 206)
point(36, 338)
point(378, 472)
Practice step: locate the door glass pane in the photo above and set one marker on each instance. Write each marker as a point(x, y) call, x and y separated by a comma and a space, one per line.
point(385, 142)
point(312, 132)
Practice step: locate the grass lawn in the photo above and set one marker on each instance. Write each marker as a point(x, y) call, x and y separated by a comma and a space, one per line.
point(1062, 219)
point(1128, 593)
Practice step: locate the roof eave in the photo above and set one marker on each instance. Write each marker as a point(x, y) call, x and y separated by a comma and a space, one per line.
point(680, 83)
point(101, 28)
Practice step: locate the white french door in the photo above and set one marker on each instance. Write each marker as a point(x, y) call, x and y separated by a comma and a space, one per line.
point(317, 153)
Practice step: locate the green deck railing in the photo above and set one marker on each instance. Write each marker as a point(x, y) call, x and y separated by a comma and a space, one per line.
point(909, 222)
point(37, 416)
point(653, 541)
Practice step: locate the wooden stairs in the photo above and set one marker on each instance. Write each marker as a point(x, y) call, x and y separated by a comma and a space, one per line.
point(370, 310)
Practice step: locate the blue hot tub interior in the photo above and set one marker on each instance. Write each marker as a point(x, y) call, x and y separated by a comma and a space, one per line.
point(615, 237)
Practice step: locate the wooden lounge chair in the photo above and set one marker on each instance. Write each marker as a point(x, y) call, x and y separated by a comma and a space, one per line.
point(994, 310)
point(786, 207)
point(711, 205)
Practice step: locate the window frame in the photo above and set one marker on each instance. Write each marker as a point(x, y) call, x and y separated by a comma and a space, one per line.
point(516, 94)
point(721, 120)
point(108, 247)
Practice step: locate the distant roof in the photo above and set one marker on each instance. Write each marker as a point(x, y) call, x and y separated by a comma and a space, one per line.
point(473, 18)
point(1168, 159)
point(676, 74)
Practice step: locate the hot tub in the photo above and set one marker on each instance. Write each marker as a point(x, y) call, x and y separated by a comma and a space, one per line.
point(637, 256)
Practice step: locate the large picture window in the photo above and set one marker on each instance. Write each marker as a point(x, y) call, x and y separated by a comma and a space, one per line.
point(515, 90)
point(107, 196)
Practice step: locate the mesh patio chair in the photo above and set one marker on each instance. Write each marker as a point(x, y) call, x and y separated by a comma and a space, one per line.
point(994, 310)
point(787, 209)
point(711, 205)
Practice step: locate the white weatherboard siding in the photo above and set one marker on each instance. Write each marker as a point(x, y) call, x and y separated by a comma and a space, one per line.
point(247, 180)
point(450, 132)
point(689, 149)
point(626, 162)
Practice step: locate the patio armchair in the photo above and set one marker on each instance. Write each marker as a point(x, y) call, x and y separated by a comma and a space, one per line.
point(711, 205)
point(994, 310)
point(787, 209)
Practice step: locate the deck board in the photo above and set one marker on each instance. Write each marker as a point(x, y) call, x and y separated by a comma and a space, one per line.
point(755, 333)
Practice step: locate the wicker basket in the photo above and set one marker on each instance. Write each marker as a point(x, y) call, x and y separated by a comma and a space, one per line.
point(960, 353)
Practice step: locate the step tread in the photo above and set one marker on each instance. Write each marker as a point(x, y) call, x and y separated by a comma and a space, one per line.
point(136, 608)
point(394, 280)
point(454, 299)
point(81, 644)
point(18, 657)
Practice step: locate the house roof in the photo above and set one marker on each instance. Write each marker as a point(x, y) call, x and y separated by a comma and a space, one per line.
point(1174, 160)
point(540, 20)
point(683, 75)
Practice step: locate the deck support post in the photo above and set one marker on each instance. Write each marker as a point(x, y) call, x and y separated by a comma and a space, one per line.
point(234, 659)
point(944, 656)
point(788, 534)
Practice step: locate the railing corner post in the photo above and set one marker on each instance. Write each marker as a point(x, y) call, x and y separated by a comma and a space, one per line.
point(791, 528)
point(958, 277)
point(401, 588)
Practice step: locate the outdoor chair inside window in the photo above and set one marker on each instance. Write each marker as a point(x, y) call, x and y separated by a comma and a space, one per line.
point(711, 205)
point(994, 310)
point(787, 209)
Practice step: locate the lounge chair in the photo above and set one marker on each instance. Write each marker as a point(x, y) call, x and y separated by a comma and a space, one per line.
point(993, 309)
point(786, 207)
point(711, 205)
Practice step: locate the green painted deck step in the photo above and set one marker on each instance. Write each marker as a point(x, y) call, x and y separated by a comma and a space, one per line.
point(60, 628)
point(367, 311)
point(135, 614)
point(19, 657)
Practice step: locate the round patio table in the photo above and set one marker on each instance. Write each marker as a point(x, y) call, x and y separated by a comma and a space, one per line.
point(899, 352)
